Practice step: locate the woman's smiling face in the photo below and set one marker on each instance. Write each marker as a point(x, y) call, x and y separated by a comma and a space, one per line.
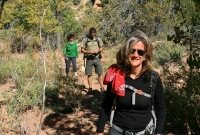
point(137, 55)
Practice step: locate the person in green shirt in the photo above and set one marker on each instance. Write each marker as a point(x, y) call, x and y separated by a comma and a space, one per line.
point(70, 52)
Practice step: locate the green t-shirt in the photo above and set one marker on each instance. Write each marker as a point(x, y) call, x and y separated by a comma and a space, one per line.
point(70, 50)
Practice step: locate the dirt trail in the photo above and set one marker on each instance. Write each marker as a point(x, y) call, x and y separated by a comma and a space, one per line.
point(83, 120)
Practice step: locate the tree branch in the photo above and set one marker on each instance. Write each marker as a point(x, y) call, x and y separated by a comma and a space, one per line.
point(45, 80)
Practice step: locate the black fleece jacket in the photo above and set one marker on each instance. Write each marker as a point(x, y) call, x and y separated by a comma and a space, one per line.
point(130, 117)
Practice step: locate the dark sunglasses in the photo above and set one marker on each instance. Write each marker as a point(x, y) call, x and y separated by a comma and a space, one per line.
point(139, 52)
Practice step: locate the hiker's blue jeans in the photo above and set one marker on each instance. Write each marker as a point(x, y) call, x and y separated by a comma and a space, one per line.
point(68, 62)
point(112, 131)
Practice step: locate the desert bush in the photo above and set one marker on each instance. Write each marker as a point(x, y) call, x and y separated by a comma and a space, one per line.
point(25, 74)
point(70, 92)
point(165, 52)
point(182, 86)
point(120, 18)
point(4, 72)
point(29, 77)
point(109, 56)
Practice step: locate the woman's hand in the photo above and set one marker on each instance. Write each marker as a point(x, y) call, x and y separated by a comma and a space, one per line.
point(66, 58)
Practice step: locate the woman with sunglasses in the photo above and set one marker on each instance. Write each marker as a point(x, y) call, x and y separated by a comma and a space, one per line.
point(133, 69)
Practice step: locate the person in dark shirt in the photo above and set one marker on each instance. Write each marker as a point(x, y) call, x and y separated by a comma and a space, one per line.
point(133, 110)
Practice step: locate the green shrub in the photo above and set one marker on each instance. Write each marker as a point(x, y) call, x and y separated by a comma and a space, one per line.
point(182, 83)
point(4, 71)
point(165, 52)
point(26, 75)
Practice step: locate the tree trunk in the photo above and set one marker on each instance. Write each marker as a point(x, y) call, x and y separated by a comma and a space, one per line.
point(2, 2)
point(58, 45)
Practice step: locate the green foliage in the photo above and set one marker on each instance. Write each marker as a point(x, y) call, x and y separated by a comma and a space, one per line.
point(29, 15)
point(27, 72)
point(28, 89)
point(76, 2)
point(182, 85)
point(104, 2)
point(109, 56)
point(185, 8)
point(182, 97)
point(68, 88)
point(4, 72)
point(165, 52)
point(55, 19)
point(66, 17)
point(95, 105)
point(29, 77)
point(119, 21)
point(91, 18)
point(17, 69)
point(158, 18)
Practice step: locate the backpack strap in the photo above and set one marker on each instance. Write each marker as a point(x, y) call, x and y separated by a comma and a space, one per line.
point(152, 86)
point(153, 81)
point(138, 92)
point(86, 41)
point(152, 124)
point(97, 41)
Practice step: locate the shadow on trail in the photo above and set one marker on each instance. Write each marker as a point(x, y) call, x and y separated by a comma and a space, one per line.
point(74, 119)
point(170, 129)
point(81, 120)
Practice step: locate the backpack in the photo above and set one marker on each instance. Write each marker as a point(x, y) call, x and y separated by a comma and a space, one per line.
point(86, 43)
point(150, 128)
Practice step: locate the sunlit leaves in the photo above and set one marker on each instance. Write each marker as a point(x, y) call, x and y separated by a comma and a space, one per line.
point(121, 18)
point(50, 17)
